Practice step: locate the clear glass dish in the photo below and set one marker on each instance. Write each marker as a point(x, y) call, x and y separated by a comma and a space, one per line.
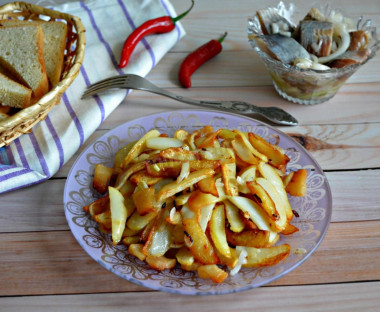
point(306, 86)
point(313, 210)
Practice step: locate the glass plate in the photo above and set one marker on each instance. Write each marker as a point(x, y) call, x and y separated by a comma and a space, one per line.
point(314, 209)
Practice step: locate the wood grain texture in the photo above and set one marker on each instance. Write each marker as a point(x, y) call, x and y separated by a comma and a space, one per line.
point(317, 298)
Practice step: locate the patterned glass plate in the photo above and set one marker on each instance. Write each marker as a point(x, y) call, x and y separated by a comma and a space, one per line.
point(314, 209)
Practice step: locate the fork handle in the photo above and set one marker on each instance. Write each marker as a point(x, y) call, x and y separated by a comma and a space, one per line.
point(274, 114)
point(139, 83)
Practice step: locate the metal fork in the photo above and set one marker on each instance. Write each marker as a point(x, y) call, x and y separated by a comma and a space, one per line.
point(130, 81)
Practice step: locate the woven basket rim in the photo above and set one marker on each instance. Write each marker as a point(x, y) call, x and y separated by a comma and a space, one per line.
point(48, 101)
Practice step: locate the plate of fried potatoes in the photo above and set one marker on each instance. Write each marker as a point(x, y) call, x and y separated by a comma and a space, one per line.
point(197, 202)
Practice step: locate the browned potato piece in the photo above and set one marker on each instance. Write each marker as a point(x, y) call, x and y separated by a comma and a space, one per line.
point(174, 187)
point(276, 157)
point(138, 147)
point(198, 199)
point(102, 177)
point(263, 199)
point(208, 185)
point(290, 229)
point(143, 177)
point(161, 263)
point(261, 257)
point(199, 244)
point(213, 272)
point(136, 250)
point(250, 238)
point(98, 206)
point(178, 153)
point(297, 185)
point(229, 179)
point(218, 231)
point(144, 200)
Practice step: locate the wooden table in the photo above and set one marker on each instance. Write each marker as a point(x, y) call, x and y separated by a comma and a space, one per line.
point(43, 268)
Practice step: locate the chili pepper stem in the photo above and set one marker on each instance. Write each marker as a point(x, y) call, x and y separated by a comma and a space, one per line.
point(222, 38)
point(176, 19)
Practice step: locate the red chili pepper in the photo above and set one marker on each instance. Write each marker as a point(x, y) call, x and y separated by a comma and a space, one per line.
point(158, 25)
point(198, 57)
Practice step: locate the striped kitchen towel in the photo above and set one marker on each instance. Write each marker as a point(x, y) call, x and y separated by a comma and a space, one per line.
point(35, 157)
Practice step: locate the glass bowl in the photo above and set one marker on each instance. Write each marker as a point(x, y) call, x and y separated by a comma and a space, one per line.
point(306, 86)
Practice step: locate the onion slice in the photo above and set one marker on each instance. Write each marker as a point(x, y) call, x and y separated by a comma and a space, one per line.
point(345, 43)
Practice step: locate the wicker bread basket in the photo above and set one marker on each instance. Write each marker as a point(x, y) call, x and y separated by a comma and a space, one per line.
point(23, 121)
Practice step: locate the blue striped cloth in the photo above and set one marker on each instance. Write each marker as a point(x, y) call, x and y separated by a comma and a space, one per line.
point(35, 157)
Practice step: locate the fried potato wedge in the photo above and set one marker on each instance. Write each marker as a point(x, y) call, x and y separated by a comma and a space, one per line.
point(208, 186)
point(137, 222)
point(205, 216)
point(221, 153)
point(249, 238)
point(270, 173)
point(164, 169)
point(145, 200)
point(98, 206)
point(179, 153)
point(279, 213)
point(123, 177)
point(198, 200)
point(229, 179)
point(261, 257)
point(118, 214)
point(275, 155)
point(263, 198)
point(245, 175)
point(243, 152)
point(256, 214)
point(213, 272)
point(121, 154)
point(235, 220)
point(207, 140)
point(297, 184)
point(184, 256)
point(176, 187)
point(248, 145)
point(161, 263)
point(136, 250)
point(138, 147)
point(160, 237)
point(102, 178)
point(161, 143)
point(143, 177)
point(290, 229)
point(199, 244)
point(218, 231)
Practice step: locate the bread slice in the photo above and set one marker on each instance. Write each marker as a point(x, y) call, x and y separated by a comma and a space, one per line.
point(13, 94)
point(55, 34)
point(21, 54)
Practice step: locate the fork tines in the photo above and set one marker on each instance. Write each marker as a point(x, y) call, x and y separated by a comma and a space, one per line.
point(105, 84)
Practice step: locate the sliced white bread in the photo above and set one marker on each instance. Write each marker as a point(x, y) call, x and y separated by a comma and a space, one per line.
point(13, 94)
point(55, 34)
point(21, 53)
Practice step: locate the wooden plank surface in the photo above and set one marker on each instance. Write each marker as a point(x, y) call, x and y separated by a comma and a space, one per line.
point(317, 298)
